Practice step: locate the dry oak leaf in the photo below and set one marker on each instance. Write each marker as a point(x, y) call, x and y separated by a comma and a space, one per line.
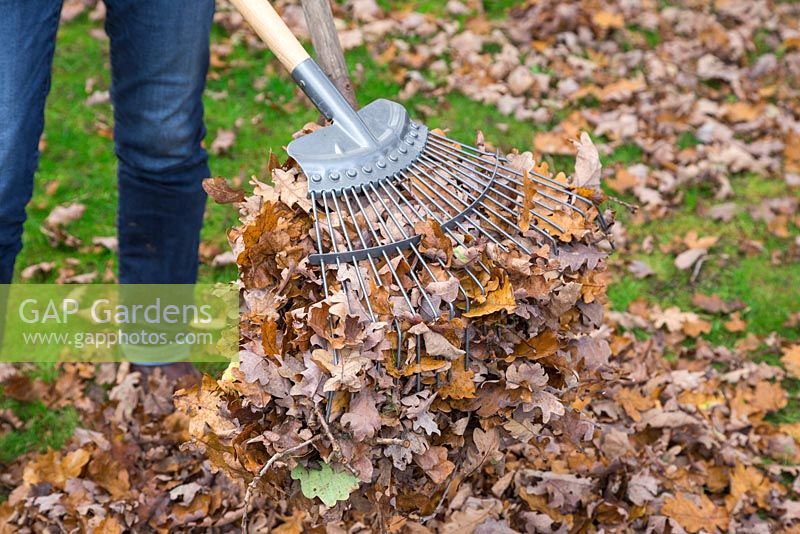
point(768, 397)
point(528, 193)
point(292, 524)
point(500, 299)
point(54, 468)
point(438, 345)
point(291, 189)
point(435, 464)
point(363, 416)
point(223, 143)
point(607, 19)
point(541, 346)
point(695, 517)
point(791, 360)
point(220, 190)
point(736, 324)
point(587, 164)
point(633, 402)
point(460, 385)
point(747, 481)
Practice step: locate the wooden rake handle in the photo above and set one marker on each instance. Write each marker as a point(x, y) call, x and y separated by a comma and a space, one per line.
point(275, 33)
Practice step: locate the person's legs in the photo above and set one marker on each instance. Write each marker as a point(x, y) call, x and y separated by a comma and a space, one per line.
point(159, 61)
point(27, 42)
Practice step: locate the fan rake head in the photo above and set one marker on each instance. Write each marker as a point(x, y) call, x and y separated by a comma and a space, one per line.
point(373, 219)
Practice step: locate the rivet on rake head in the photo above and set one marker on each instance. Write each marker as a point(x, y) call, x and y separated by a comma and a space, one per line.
point(413, 134)
point(334, 175)
point(367, 169)
point(410, 141)
point(402, 150)
point(381, 164)
point(392, 157)
point(352, 173)
point(316, 178)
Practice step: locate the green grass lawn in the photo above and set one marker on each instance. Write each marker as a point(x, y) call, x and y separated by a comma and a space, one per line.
point(78, 164)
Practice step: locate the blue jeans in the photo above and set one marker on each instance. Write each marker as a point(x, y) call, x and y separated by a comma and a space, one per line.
point(159, 61)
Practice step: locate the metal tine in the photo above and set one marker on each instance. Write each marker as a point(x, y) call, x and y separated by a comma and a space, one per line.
point(427, 197)
point(478, 213)
point(349, 247)
point(449, 232)
point(336, 356)
point(405, 236)
point(419, 363)
point(396, 276)
point(455, 238)
point(399, 252)
point(399, 357)
point(421, 259)
point(538, 179)
point(450, 161)
point(478, 191)
point(355, 262)
point(439, 260)
point(347, 236)
point(400, 285)
point(540, 231)
point(445, 143)
point(433, 215)
point(466, 205)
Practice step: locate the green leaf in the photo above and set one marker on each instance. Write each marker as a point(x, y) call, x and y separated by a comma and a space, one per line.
point(325, 483)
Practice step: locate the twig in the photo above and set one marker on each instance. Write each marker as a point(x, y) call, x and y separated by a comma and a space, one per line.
point(275, 457)
point(697, 267)
point(393, 441)
point(337, 449)
point(633, 208)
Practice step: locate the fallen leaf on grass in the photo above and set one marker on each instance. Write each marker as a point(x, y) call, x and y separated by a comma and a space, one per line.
point(686, 259)
point(640, 269)
point(791, 360)
point(37, 270)
point(55, 223)
point(736, 324)
point(109, 243)
point(223, 143)
point(65, 214)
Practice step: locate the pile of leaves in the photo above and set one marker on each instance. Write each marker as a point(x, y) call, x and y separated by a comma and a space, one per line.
point(561, 422)
point(401, 407)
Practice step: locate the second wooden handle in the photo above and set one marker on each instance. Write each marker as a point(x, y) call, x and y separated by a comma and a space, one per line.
point(275, 33)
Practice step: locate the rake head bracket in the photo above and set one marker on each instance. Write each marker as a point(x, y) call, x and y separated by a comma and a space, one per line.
point(333, 161)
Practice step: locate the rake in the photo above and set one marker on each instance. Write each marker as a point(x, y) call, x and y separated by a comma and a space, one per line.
point(375, 175)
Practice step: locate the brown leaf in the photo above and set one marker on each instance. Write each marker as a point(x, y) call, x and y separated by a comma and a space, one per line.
point(695, 514)
point(435, 464)
point(791, 360)
point(587, 164)
point(54, 468)
point(220, 190)
point(363, 417)
point(223, 143)
point(500, 299)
